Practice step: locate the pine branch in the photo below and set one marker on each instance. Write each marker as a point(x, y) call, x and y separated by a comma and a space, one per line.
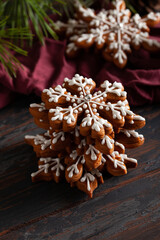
point(31, 15)
point(8, 60)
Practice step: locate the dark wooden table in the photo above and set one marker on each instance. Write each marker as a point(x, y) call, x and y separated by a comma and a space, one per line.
point(125, 207)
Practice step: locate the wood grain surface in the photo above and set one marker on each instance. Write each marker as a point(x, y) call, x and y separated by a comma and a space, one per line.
point(126, 207)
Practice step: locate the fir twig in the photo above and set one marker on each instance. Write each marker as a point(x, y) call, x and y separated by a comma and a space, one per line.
point(9, 61)
point(30, 14)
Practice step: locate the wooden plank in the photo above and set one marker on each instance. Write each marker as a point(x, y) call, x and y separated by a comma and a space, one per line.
point(128, 210)
point(25, 203)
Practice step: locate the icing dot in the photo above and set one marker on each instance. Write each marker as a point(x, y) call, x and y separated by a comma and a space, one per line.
point(66, 79)
point(97, 114)
point(81, 93)
point(86, 87)
point(84, 106)
point(94, 110)
point(75, 111)
point(73, 100)
point(94, 105)
point(100, 107)
point(74, 104)
point(104, 95)
point(88, 92)
point(88, 115)
point(79, 89)
point(101, 98)
point(80, 109)
point(87, 111)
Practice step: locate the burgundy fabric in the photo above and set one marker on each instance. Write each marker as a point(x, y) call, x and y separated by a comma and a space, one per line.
point(47, 65)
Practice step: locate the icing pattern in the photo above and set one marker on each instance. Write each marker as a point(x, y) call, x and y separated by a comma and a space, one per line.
point(120, 162)
point(132, 133)
point(124, 158)
point(40, 106)
point(92, 151)
point(119, 145)
point(43, 140)
point(58, 136)
point(74, 167)
point(117, 163)
point(49, 165)
point(90, 104)
point(88, 178)
point(108, 141)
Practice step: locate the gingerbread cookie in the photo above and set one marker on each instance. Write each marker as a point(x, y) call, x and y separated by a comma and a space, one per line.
point(113, 32)
point(75, 101)
point(88, 183)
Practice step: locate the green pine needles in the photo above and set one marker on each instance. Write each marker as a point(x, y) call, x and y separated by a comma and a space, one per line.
point(7, 59)
point(21, 20)
point(30, 14)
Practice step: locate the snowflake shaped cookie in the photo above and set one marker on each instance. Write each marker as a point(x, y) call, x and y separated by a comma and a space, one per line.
point(113, 31)
point(97, 112)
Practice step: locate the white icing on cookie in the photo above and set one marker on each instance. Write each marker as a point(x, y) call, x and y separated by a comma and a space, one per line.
point(132, 133)
point(41, 140)
point(88, 177)
point(107, 141)
point(73, 169)
point(55, 94)
point(117, 163)
point(49, 164)
point(120, 145)
point(124, 158)
point(92, 151)
point(138, 117)
point(41, 106)
point(58, 136)
point(115, 88)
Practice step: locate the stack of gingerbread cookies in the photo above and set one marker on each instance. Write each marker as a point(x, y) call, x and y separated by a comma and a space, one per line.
point(87, 130)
